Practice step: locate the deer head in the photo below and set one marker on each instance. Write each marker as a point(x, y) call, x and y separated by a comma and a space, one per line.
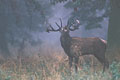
point(65, 29)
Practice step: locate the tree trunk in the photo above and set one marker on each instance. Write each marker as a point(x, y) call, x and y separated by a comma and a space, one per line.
point(114, 31)
point(75, 8)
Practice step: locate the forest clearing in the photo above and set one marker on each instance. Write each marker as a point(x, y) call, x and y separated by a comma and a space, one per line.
point(59, 39)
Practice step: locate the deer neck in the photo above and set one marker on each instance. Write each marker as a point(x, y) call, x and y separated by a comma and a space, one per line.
point(65, 38)
point(65, 42)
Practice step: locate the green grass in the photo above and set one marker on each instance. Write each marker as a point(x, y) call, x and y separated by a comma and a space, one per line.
point(53, 68)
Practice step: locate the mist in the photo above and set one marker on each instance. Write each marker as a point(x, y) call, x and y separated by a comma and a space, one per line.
point(27, 17)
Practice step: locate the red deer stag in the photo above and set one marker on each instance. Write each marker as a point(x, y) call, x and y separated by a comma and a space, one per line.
point(75, 47)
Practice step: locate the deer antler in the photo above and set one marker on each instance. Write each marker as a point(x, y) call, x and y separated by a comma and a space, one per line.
point(61, 22)
point(57, 24)
point(50, 28)
point(75, 26)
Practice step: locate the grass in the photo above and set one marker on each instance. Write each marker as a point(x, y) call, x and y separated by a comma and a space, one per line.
point(53, 67)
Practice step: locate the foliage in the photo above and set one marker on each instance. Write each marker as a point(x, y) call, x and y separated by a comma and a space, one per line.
point(90, 12)
point(53, 68)
point(57, 1)
point(115, 70)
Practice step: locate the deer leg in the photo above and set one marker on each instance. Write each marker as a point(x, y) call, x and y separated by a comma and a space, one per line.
point(70, 61)
point(107, 63)
point(102, 60)
point(76, 64)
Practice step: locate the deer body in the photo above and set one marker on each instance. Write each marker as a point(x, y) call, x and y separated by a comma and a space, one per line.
point(85, 46)
point(75, 47)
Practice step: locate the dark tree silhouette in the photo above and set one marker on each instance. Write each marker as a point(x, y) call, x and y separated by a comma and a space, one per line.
point(114, 30)
point(19, 19)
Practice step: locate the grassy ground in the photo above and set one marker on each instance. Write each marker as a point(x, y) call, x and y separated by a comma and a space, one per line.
point(53, 67)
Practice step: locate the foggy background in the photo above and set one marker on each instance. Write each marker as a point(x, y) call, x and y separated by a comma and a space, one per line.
point(23, 25)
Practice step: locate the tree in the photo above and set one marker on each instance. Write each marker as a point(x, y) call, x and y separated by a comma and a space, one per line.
point(87, 11)
point(114, 30)
point(19, 19)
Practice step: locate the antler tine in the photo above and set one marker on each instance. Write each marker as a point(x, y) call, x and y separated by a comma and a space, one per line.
point(57, 24)
point(61, 22)
point(68, 23)
point(52, 29)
